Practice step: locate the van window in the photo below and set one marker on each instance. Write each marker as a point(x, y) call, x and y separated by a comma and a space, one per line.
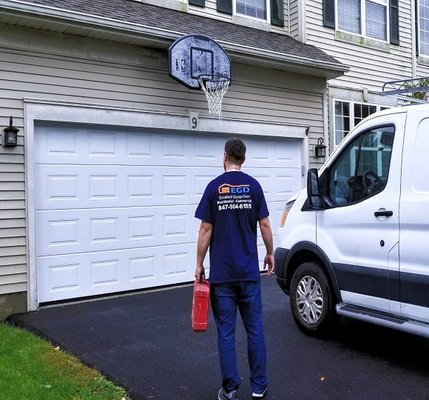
point(362, 169)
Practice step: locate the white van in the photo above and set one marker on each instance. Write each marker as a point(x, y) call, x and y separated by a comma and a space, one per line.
point(355, 243)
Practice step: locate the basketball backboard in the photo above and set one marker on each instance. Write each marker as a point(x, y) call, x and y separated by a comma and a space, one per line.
point(195, 55)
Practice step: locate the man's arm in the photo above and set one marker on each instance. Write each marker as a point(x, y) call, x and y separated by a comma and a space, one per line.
point(204, 238)
point(267, 236)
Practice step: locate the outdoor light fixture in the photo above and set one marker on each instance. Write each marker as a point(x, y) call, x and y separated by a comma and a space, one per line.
point(320, 149)
point(10, 135)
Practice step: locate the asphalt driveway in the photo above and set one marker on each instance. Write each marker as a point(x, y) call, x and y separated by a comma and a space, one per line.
point(144, 342)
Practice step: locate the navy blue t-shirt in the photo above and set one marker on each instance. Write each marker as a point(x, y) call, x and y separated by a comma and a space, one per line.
point(233, 203)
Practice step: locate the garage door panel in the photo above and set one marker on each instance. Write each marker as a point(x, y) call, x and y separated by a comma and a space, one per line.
point(65, 187)
point(71, 144)
point(84, 231)
point(114, 146)
point(62, 277)
point(277, 184)
point(285, 185)
point(263, 153)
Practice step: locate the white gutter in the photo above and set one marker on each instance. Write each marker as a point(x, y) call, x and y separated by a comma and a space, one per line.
point(157, 33)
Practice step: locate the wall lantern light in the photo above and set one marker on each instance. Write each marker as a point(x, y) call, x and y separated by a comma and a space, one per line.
point(320, 149)
point(10, 135)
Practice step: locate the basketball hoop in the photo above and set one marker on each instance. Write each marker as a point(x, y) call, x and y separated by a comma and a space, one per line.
point(214, 87)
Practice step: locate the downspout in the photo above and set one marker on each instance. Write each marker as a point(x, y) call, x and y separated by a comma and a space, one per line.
point(302, 22)
point(326, 118)
point(413, 39)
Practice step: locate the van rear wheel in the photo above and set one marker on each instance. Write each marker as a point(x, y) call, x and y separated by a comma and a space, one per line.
point(311, 299)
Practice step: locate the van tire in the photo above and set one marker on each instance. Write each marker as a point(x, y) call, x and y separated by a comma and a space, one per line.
point(311, 300)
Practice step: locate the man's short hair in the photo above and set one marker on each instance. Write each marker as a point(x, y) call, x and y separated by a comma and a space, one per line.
point(235, 149)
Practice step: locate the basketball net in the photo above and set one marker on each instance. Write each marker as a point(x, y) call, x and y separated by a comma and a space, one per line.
point(214, 87)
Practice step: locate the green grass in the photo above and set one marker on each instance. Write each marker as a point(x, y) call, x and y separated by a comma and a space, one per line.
point(33, 369)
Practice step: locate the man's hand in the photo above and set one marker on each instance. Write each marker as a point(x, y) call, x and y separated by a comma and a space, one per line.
point(269, 264)
point(200, 272)
point(267, 236)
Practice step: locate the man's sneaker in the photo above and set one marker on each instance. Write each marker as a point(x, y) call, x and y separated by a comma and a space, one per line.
point(260, 395)
point(223, 395)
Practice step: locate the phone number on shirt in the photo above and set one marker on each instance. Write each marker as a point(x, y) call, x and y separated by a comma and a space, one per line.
point(235, 206)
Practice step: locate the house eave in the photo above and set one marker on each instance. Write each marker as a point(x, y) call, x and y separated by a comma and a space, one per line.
point(157, 37)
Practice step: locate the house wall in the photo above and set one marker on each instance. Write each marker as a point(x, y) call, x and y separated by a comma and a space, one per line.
point(60, 68)
point(371, 63)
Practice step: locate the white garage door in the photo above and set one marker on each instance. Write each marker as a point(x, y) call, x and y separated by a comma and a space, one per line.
point(115, 206)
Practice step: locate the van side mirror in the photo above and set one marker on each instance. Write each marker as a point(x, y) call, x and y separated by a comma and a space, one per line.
point(315, 198)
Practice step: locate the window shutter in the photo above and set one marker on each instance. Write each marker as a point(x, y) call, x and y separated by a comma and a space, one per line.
point(394, 22)
point(329, 13)
point(199, 3)
point(277, 13)
point(224, 6)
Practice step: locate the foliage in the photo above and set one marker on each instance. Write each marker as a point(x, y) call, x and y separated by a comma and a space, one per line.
point(421, 83)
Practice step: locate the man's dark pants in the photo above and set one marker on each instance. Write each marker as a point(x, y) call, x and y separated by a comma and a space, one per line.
point(226, 299)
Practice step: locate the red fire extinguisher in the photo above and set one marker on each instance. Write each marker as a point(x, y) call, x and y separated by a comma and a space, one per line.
point(200, 305)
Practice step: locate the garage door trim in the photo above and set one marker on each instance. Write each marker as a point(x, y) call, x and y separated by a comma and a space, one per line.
point(98, 115)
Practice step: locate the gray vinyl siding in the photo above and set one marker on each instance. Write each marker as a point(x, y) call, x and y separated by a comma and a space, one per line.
point(140, 81)
point(61, 68)
point(294, 19)
point(13, 268)
point(422, 69)
point(370, 65)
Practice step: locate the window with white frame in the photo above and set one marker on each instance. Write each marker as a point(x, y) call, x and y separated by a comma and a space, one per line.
point(257, 12)
point(364, 17)
point(423, 22)
point(348, 114)
point(252, 8)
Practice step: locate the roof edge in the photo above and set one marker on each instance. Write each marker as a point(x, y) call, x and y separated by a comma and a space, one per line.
point(155, 33)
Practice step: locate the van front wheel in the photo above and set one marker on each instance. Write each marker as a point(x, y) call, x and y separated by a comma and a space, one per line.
point(311, 300)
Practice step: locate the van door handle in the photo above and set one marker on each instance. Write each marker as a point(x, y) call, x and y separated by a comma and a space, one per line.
point(383, 213)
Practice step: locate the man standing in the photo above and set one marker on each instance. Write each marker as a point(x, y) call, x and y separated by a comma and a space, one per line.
point(230, 209)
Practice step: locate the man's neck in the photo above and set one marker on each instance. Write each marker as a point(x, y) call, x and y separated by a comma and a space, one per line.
point(232, 167)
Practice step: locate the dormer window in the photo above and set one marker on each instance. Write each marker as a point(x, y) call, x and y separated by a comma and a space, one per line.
point(269, 11)
point(252, 8)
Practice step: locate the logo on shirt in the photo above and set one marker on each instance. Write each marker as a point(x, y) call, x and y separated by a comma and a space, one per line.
point(233, 189)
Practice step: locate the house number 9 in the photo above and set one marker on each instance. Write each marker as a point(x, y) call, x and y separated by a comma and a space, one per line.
point(193, 119)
